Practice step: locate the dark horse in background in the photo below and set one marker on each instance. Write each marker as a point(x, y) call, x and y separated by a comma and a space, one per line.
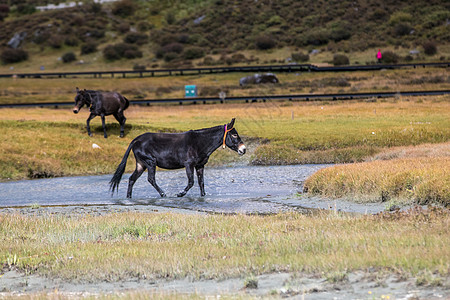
point(190, 150)
point(102, 104)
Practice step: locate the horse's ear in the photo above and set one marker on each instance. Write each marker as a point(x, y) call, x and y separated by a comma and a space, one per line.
point(77, 90)
point(231, 124)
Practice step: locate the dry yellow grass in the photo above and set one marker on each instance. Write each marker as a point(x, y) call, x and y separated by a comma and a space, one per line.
point(417, 174)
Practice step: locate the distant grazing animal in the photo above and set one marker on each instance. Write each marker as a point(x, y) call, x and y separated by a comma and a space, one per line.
point(102, 104)
point(259, 78)
point(190, 149)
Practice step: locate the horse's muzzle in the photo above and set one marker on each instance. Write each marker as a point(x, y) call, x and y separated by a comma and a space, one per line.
point(242, 149)
point(75, 110)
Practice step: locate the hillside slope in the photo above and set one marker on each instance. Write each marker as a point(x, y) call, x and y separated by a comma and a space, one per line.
point(180, 31)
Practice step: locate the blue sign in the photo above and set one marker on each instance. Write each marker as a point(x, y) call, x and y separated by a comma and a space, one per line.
point(190, 91)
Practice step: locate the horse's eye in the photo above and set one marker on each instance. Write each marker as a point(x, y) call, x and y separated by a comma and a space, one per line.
point(234, 136)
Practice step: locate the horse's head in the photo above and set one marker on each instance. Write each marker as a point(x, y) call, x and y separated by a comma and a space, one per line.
point(232, 139)
point(81, 99)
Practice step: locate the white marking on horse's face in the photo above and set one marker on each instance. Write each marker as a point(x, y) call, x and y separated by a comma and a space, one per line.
point(241, 149)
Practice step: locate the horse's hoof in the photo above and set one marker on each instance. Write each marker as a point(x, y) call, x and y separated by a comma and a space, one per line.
point(181, 194)
point(90, 134)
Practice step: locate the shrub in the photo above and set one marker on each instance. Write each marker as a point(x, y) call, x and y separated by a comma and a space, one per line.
point(317, 37)
point(193, 52)
point(96, 33)
point(136, 38)
point(429, 48)
point(110, 53)
point(170, 18)
point(137, 67)
point(117, 51)
point(132, 53)
point(389, 57)
point(144, 26)
point(68, 57)
point(9, 55)
point(169, 56)
point(55, 41)
point(340, 59)
point(300, 57)
point(402, 29)
point(123, 8)
point(89, 47)
point(176, 48)
point(25, 9)
point(265, 42)
point(123, 27)
point(71, 41)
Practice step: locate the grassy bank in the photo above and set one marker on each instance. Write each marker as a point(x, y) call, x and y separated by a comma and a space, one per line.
point(127, 245)
point(290, 132)
point(419, 180)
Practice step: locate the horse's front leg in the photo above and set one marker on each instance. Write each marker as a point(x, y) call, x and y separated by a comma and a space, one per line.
point(190, 176)
point(88, 127)
point(201, 182)
point(104, 125)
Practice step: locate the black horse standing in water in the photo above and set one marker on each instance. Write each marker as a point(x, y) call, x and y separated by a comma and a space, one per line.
point(102, 104)
point(188, 150)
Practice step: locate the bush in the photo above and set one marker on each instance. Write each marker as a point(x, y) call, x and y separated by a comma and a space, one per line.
point(117, 51)
point(71, 41)
point(193, 52)
point(300, 57)
point(340, 59)
point(55, 41)
point(265, 42)
point(429, 48)
point(123, 8)
point(89, 47)
point(136, 38)
point(9, 55)
point(402, 29)
point(389, 57)
point(175, 48)
point(68, 57)
point(25, 9)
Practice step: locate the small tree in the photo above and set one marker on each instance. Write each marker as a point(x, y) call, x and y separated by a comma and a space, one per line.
point(68, 57)
point(340, 59)
point(265, 42)
point(429, 48)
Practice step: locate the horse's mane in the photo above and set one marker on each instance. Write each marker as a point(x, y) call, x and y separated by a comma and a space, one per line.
point(207, 129)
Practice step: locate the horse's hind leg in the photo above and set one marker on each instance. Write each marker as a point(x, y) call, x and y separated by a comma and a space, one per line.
point(190, 176)
point(121, 119)
point(152, 180)
point(104, 126)
point(136, 174)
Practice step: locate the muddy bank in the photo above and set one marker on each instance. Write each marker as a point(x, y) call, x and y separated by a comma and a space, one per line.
point(356, 285)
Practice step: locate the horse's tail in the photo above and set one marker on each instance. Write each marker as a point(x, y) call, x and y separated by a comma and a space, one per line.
point(115, 180)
